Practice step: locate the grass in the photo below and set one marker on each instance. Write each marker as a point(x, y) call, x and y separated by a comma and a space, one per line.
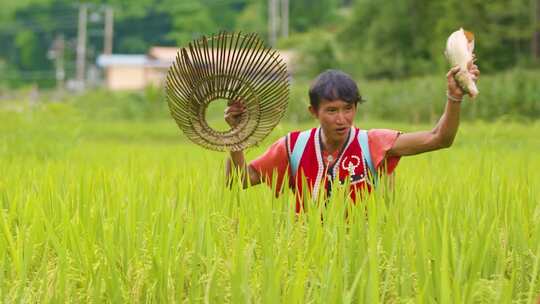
point(131, 212)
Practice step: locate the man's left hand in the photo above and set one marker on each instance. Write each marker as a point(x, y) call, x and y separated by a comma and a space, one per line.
point(453, 87)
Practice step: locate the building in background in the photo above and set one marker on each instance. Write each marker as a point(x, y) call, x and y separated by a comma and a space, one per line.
point(135, 72)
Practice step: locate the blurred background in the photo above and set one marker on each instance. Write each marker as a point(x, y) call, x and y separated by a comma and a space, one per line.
point(107, 59)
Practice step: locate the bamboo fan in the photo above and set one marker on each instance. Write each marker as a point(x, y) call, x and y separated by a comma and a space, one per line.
point(231, 67)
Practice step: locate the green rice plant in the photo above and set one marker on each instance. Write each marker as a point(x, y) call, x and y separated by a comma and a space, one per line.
point(148, 218)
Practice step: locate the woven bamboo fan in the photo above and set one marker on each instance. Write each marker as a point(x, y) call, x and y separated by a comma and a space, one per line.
point(231, 67)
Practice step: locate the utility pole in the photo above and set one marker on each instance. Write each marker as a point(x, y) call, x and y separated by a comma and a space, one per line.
point(59, 46)
point(56, 53)
point(272, 21)
point(81, 46)
point(285, 18)
point(109, 31)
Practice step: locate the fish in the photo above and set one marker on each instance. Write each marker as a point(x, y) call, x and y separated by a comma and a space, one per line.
point(459, 52)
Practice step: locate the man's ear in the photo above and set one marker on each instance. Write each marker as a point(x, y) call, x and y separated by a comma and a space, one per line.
point(313, 111)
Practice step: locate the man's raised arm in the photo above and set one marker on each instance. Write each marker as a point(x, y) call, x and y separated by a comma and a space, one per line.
point(442, 136)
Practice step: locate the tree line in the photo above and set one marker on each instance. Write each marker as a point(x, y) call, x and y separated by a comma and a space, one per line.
point(368, 38)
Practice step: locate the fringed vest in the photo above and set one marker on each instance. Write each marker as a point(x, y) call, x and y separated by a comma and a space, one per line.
point(307, 167)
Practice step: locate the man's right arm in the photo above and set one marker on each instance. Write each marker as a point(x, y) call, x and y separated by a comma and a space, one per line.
point(236, 164)
point(236, 167)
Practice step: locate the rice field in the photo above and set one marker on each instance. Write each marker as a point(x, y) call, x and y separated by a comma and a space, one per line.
point(130, 212)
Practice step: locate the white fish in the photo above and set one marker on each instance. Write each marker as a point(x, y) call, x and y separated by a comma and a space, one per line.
point(459, 51)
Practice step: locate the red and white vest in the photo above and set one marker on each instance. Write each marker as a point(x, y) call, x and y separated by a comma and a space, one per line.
point(306, 163)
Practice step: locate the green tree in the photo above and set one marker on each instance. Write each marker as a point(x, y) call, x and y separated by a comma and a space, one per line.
point(502, 29)
point(402, 38)
point(307, 14)
point(252, 18)
point(191, 22)
point(390, 38)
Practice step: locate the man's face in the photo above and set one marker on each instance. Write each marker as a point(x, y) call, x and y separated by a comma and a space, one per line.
point(335, 117)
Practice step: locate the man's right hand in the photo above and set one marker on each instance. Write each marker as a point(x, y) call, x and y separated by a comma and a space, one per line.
point(234, 112)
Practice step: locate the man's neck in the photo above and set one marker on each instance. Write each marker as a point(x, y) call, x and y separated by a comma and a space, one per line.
point(329, 145)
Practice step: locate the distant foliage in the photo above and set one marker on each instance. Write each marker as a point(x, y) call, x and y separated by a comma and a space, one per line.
point(393, 39)
point(399, 43)
point(513, 95)
point(368, 38)
point(318, 51)
point(105, 105)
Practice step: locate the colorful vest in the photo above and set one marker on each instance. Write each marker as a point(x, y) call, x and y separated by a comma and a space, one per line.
point(306, 163)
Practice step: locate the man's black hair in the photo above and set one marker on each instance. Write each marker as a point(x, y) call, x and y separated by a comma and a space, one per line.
point(333, 85)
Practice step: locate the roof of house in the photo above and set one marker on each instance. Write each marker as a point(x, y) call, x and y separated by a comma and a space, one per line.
point(164, 53)
point(121, 60)
point(163, 57)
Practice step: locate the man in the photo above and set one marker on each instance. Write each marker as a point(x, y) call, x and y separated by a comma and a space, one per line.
point(336, 151)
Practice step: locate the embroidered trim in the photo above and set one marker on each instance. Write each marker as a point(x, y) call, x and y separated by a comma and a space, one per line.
point(363, 140)
point(288, 148)
point(320, 170)
point(352, 136)
point(288, 145)
point(365, 166)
